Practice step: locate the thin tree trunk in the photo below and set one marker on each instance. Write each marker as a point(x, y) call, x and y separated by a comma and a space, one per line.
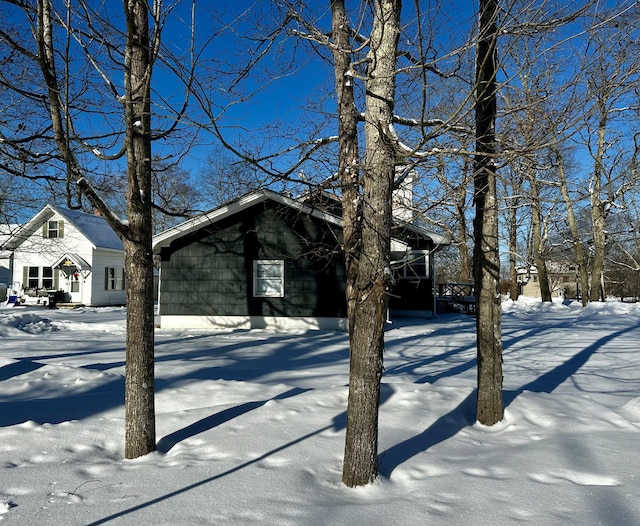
point(580, 253)
point(490, 405)
point(140, 436)
point(537, 240)
point(514, 291)
point(598, 218)
point(460, 202)
point(374, 274)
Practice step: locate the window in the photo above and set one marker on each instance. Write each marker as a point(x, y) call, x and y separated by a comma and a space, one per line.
point(33, 281)
point(416, 265)
point(268, 278)
point(53, 229)
point(74, 282)
point(39, 278)
point(47, 278)
point(113, 278)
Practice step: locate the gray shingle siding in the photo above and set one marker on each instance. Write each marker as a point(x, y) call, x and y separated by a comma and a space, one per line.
point(210, 273)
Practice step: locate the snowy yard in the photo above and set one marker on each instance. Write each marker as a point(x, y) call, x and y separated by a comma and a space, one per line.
point(251, 424)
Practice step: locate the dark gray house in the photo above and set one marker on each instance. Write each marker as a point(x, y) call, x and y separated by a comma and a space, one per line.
point(270, 261)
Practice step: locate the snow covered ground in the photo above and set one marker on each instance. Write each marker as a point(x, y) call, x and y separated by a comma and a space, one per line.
point(251, 424)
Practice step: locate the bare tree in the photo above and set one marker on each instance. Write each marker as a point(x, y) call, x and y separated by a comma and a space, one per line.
point(579, 249)
point(490, 405)
point(76, 54)
point(513, 195)
point(612, 73)
point(367, 242)
point(175, 194)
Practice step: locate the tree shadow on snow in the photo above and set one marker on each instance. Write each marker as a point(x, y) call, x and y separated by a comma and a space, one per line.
point(166, 443)
point(552, 379)
point(442, 429)
point(64, 407)
point(205, 424)
point(463, 416)
point(17, 368)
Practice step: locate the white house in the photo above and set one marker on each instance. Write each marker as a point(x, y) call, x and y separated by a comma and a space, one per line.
point(76, 254)
point(562, 280)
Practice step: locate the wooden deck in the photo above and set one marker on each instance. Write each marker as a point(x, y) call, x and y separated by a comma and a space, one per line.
point(456, 296)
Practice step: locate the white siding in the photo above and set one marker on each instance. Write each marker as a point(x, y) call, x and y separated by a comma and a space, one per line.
point(105, 259)
point(40, 251)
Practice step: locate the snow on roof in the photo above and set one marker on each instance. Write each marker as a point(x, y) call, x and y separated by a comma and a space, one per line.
point(95, 228)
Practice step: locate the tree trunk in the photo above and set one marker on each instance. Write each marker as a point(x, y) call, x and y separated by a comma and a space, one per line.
point(140, 437)
point(374, 274)
point(512, 228)
point(348, 155)
point(537, 240)
point(136, 235)
point(490, 405)
point(598, 216)
point(582, 273)
point(460, 203)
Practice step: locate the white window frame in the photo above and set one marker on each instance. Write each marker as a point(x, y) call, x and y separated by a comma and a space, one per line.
point(53, 229)
point(268, 286)
point(40, 278)
point(412, 256)
point(114, 278)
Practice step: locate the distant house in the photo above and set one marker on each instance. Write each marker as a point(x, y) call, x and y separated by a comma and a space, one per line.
point(267, 260)
point(75, 254)
point(6, 231)
point(5, 260)
point(562, 281)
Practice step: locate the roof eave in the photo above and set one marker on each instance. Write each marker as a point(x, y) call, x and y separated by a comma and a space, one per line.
point(27, 230)
point(165, 238)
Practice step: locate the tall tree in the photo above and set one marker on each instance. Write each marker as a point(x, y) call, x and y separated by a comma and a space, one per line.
point(136, 234)
point(579, 249)
point(91, 70)
point(366, 184)
point(490, 404)
point(370, 297)
point(512, 195)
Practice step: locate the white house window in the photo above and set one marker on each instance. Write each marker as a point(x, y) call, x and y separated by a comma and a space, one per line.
point(74, 282)
point(47, 278)
point(39, 278)
point(268, 278)
point(53, 229)
point(113, 278)
point(33, 281)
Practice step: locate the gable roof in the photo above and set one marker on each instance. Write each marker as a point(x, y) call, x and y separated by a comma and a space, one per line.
point(164, 239)
point(71, 259)
point(93, 227)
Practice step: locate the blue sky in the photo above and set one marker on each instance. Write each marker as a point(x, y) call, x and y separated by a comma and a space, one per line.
point(301, 76)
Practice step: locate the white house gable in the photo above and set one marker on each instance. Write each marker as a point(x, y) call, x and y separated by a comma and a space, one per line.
point(68, 252)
